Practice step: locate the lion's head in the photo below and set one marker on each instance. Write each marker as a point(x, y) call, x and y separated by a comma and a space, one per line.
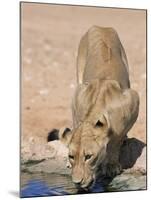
point(86, 151)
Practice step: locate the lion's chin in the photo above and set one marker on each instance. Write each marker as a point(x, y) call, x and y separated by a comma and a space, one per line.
point(87, 186)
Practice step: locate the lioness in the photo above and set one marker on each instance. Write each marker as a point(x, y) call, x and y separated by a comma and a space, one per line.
point(104, 107)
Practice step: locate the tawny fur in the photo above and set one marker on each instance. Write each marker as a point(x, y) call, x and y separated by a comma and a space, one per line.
point(102, 95)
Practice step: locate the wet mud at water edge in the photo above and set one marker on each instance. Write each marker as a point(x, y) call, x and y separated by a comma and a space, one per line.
point(51, 184)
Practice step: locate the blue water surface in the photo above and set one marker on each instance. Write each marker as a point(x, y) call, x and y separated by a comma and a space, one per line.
point(51, 185)
point(39, 188)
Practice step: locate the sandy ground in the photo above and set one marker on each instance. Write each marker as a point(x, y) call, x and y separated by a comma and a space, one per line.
point(50, 38)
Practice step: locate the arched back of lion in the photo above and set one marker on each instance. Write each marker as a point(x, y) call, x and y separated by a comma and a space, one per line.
point(99, 51)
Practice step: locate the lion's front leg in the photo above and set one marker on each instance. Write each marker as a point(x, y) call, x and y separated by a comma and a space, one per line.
point(110, 169)
point(111, 165)
point(113, 169)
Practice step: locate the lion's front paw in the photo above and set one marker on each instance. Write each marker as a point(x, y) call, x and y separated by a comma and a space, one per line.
point(113, 169)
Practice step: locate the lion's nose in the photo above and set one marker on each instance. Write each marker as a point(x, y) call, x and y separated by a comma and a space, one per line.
point(77, 181)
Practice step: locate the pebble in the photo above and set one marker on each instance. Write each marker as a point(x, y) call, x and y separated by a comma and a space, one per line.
point(44, 92)
point(72, 86)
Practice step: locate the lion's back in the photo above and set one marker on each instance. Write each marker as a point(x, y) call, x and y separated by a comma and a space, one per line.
point(101, 56)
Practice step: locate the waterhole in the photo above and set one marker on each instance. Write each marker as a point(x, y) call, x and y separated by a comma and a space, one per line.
point(51, 184)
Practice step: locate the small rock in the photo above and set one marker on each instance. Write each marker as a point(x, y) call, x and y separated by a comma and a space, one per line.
point(72, 86)
point(44, 92)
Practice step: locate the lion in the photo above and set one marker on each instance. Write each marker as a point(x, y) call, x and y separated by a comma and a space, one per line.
point(104, 107)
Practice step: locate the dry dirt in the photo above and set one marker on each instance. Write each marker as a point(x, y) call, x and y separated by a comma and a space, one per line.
point(50, 36)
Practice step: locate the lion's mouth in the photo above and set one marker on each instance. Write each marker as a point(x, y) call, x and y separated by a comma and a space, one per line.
point(86, 186)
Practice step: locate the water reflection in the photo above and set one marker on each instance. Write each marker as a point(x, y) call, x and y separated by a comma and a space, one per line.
point(41, 184)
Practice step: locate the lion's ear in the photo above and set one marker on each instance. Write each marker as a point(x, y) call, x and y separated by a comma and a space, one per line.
point(101, 122)
point(122, 110)
point(65, 135)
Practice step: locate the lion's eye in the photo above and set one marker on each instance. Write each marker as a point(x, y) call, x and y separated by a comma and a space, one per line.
point(88, 156)
point(71, 157)
point(99, 124)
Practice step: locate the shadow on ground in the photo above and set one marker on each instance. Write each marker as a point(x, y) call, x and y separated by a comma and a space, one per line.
point(131, 150)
